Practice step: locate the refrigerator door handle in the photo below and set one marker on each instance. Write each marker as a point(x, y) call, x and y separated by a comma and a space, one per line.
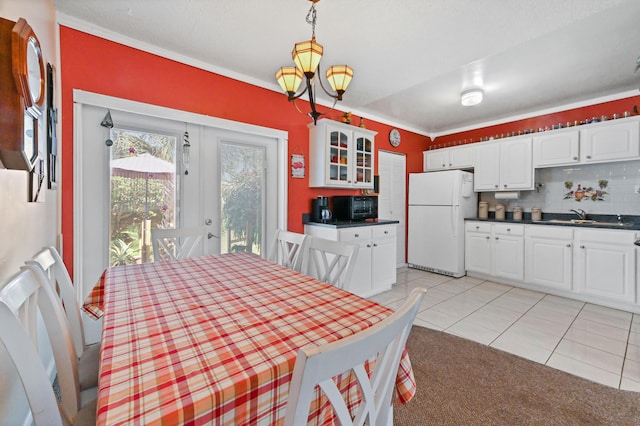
point(454, 220)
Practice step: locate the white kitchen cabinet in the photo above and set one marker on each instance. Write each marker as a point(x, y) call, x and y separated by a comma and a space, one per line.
point(504, 165)
point(548, 256)
point(458, 157)
point(556, 148)
point(341, 155)
point(605, 264)
point(495, 249)
point(593, 265)
point(610, 141)
point(375, 268)
point(477, 247)
point(507, 251)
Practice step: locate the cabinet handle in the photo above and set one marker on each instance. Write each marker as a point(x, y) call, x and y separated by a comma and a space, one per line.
point(444, 165)
point(368, 245)
point(581, 247)
point(375, 245)
point(588, 157)
point(505, 185)
point(575, 158)
point(497, 238)
point(569, 245)
point(487, 237)
point(477, 227)
point(357, 235)
point(450, 164)
point(386, 232)
point(508, 229)
point(497, 186)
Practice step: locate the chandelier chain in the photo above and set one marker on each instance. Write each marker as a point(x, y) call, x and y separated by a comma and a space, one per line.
point(311, 19)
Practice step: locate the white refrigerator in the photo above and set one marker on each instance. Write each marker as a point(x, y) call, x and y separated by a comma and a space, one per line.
point(438, 204)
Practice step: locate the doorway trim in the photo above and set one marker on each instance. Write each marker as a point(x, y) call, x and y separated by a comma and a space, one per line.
point(81, 97)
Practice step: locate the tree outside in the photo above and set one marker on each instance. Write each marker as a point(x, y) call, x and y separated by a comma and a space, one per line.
point(242, 178)
point(140, 200)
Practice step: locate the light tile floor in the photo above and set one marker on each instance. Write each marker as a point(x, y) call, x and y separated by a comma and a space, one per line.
point(590, 341)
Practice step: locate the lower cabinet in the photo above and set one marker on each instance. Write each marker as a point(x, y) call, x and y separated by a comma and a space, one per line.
point(605, 264)
point(477, 247)
point(375, 268)
point(594, 265)
point(495, 249)
point(548, 256)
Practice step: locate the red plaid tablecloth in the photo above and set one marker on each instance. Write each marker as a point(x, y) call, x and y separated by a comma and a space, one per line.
point(214, 340)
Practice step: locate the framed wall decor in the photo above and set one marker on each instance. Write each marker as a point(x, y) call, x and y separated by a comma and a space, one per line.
point(297, 166)
point(52, 120)
point(22, 84)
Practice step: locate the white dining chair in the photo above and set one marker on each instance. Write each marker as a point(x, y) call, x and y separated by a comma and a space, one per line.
point(21, 298)
point(330, 261)
point(180, 243)
point(88, 355)
point(384, 342)
point(288, 249)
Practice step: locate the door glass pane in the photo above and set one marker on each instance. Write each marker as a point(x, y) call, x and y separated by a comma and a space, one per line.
point(142, 192)
point(242, 177)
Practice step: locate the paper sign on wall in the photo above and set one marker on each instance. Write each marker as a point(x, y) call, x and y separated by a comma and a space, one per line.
point(297, 166)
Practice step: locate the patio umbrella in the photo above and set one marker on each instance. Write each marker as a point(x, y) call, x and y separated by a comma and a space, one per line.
point(144, 166)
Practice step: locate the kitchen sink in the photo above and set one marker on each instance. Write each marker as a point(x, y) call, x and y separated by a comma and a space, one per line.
point(586, 222)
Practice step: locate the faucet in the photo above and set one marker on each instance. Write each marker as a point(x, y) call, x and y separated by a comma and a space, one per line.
point(580, 213)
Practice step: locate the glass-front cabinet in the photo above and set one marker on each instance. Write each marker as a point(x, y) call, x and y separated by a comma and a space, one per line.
point(342, 155)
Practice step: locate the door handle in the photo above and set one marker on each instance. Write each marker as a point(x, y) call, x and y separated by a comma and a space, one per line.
point(210, 236)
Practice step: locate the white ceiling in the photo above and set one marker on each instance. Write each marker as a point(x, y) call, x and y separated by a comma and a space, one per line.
point(411, 58)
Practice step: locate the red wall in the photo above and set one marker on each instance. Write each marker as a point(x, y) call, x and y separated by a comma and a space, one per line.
point(564, 118)
point(96, 65)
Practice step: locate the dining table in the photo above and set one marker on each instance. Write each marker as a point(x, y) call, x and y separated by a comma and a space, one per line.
point(214, 340)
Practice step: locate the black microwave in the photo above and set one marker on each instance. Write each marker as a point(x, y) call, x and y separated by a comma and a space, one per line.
point(355, 207)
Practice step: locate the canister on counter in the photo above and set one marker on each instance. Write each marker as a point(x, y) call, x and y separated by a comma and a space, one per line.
point(500, 211)
point(536, 213)
point(517, 213)
point(483, 210)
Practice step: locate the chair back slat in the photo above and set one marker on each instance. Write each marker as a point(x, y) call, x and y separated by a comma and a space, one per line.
point(378, 348)
point(20, 296)
point(288, 249)
point(181, 243)
point(330, 261)
point(26, 362)
point(58, 277)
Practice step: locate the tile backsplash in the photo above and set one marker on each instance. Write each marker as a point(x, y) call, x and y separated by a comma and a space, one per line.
point(618, 197)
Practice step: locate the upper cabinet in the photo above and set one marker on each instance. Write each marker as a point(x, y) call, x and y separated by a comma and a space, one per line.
point(503, 165)
point(610, 141)
point(556, 148)
point(341, 155)
point(457, 157)
point(595, 143)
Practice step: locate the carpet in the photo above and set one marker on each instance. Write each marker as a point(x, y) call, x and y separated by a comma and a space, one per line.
point(461, 382)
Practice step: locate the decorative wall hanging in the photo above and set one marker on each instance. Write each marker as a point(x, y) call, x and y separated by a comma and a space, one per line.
point(107, 122)
point(36, 179)
point(586, 193)
point(52, 120)
point(186, 150)
point(297, 165)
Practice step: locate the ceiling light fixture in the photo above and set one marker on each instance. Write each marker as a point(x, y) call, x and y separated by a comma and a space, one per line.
point(471, 97)
point(307, 55)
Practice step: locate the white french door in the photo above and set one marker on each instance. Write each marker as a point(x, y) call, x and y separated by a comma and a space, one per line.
point(240, 217)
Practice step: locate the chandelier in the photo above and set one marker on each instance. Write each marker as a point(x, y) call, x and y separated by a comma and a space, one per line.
point(306, 55)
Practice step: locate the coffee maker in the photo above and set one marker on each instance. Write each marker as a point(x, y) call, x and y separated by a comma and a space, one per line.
point(320, 210)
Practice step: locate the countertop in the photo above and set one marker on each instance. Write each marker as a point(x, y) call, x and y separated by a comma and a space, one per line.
point(353, 223)
point(629, 223)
